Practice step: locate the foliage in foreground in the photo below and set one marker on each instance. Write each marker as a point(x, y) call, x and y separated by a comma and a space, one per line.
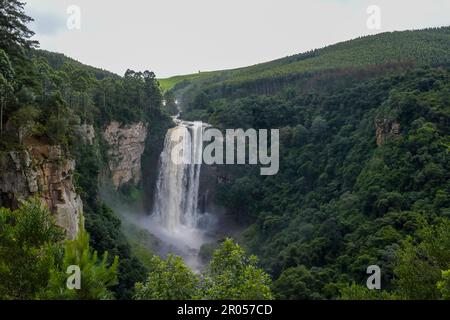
point(97, 276)
point(29, 247)
point(34, 258)
point(230, 275)
point(422, 268)
point(169, 279)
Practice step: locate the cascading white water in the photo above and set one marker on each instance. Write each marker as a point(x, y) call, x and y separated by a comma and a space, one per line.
point(176, 225)
point(176, 201)
point(176, 219)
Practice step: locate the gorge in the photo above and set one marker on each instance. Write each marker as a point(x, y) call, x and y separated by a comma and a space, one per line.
point(176, 219)
point(97, 170)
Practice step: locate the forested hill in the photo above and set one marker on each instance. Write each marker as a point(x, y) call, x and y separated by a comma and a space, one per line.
point(46, 99)
point(364, 164)
point(58, 60)
point(422, 47)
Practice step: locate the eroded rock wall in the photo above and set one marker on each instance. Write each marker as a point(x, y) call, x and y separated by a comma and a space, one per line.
point(386, 129)
point(126, 144)
point(44, 171)
point(86, 133)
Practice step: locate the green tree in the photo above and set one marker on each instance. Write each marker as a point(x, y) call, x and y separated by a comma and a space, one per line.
point(169, 279)
point(297, 284)
point(233, 275)
point(6, 85)
point(6, 69)
point(57, 118)
point(29, 245)
point(34, 260)
point(14, 33)
point(420, 262)
point(319, 126)
point(170, 103)
point(152, 93)
point(24, 120)
point(97, 274)
point(444, 285)
point(358, 292)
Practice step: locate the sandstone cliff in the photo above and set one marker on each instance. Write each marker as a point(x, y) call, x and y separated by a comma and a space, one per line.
point(44, 171)
point(126, 146)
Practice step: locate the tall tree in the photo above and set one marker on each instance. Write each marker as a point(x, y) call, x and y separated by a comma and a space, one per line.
point(152, 91)
point(169, 279)
point(6, 86)
point(233, 275)
point(14, 33)
point(97, 274)
point(29, 242)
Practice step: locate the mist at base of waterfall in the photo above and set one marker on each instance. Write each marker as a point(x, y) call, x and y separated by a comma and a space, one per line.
point(176, 225)
point(183, 240)
point(146, 230)
point(176, 219)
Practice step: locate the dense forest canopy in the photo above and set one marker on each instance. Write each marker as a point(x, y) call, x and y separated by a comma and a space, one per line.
point(364, 164)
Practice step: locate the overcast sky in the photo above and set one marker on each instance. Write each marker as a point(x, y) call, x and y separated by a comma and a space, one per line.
point(174, 37)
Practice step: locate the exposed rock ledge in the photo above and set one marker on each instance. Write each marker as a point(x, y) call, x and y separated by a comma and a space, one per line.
point(45, 171)
point(386, 129)
point(126, 146)
point(86, 133)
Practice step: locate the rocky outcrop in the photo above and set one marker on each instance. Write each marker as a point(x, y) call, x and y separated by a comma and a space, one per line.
point(386, 129)
point(43, 171)
point(126, 146)
point(86, 133)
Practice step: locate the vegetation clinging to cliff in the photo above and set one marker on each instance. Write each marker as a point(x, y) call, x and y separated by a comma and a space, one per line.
point(48, 93)
point(45, 96)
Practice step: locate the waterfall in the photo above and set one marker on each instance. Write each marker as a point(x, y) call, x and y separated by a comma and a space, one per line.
point(176, 201)
point(176, 220)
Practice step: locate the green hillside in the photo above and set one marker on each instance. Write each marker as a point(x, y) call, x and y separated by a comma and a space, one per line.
point(168, 83)
point(58, 60)
point(426, 46)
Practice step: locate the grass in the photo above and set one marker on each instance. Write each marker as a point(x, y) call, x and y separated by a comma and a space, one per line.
point(168, 83)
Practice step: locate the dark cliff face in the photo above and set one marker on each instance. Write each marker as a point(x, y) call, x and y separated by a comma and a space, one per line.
point(211, 177)
point(207, 189)
point(154, 145)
